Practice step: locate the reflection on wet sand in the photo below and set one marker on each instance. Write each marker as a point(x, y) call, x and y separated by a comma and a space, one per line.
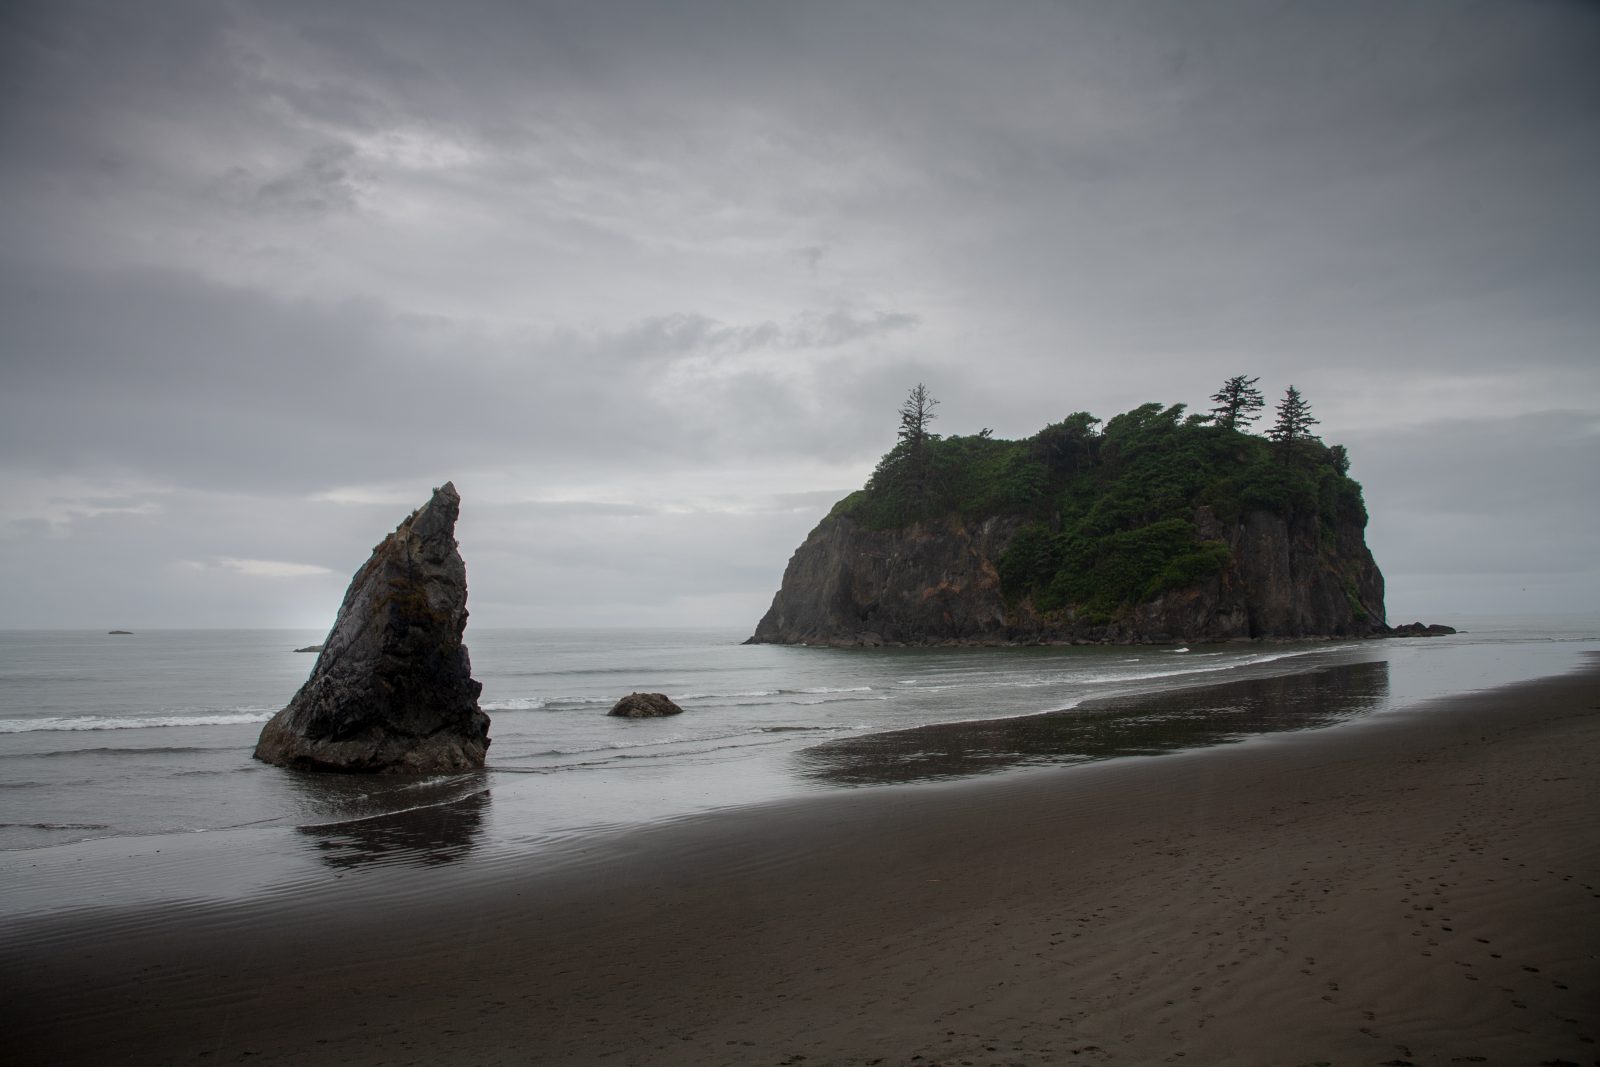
point(1128, 726)
point(408, 822)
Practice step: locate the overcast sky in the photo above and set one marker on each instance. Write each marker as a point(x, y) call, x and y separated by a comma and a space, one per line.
point(648, 281)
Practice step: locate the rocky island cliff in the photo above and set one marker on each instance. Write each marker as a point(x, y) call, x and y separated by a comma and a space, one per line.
point(1163, 527)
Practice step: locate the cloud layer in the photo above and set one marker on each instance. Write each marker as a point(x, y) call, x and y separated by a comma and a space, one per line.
point(648, 282)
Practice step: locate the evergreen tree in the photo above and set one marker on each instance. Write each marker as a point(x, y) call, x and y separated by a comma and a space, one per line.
point(915, 415)
point(1070, 442)
point(1294, 420)
point(908, 468)
point(1239, 403)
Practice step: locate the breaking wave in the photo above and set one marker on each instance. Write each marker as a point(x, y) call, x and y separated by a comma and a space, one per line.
point(129, 722)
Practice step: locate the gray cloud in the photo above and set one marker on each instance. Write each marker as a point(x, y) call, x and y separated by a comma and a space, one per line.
point(637, 274)
point(321, 183)
point(227, 388)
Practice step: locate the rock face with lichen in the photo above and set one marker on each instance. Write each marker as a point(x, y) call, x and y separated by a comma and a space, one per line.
point(392, 690)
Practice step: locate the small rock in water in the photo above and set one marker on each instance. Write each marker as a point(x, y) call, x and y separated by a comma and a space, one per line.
point(1417, 629)
point(645, 706)
point(392, 691)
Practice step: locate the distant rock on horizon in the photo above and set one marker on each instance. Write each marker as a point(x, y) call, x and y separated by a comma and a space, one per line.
point(1419, 629)
point(392, 691)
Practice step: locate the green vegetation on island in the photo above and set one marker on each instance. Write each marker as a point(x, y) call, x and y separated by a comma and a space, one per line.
point(1113, 513)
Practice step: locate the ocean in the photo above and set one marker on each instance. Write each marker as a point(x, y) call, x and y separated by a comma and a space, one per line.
point(126, 775)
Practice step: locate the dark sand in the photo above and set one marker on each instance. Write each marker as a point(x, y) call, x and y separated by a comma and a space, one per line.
point(1422, 888)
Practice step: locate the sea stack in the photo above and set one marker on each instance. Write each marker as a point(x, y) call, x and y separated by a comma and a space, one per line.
point(392, 691)
point(1161, 528)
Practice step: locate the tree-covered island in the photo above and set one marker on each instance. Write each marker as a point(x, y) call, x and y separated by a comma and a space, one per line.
point(1156, 525)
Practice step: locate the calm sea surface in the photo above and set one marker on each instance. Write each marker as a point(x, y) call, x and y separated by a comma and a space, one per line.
point(116, 749)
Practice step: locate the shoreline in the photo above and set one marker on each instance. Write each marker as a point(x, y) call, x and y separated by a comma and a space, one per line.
point(1392, 633)
point(1435, 868)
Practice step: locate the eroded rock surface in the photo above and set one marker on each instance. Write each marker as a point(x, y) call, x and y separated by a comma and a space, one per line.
point(939, 583)
point(392, 689)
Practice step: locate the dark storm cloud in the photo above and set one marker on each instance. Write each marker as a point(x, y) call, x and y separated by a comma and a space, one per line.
point(635, 256)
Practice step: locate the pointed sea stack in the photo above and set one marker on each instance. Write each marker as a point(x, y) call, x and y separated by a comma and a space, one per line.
point(392, 691)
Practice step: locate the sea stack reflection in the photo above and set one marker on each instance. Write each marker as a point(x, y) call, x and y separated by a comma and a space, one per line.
point(392, 691)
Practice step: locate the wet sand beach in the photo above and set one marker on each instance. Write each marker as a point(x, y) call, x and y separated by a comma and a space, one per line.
point(1418, 887)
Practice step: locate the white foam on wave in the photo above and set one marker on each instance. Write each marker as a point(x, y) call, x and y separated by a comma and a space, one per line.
point(129, 722)
point(513, 704)
point(1115, 678)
